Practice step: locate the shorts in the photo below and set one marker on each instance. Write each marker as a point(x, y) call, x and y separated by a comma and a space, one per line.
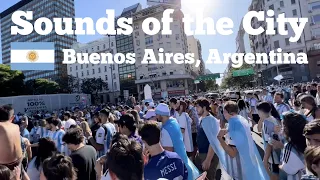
point(274, 168)
point(255, 118)
point(194, 140)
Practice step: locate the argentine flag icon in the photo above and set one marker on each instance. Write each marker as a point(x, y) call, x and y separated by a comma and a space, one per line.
point(32, 56)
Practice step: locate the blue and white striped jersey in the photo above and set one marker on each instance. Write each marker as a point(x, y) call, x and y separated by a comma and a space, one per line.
point(292, 162)
point(57, 138)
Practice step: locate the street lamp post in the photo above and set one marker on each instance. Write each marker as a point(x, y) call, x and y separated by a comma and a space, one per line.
point(111, 67)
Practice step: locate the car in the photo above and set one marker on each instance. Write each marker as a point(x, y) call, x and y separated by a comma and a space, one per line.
point(212, 95)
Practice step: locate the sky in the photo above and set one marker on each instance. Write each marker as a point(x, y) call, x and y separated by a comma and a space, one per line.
point(216, 9)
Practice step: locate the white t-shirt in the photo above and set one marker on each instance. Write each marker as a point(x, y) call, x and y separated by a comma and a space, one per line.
point(292, 162)
point(185, 124)
point(253, 103)
point(165, 139)
point(32, 171)
point(69, 122)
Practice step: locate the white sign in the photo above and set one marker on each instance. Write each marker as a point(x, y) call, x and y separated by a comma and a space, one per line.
point(50, 102)
point(278, 78)
point(126, 94)
point(147, 92)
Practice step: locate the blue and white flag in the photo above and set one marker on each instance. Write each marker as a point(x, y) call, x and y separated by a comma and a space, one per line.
point(32, 56)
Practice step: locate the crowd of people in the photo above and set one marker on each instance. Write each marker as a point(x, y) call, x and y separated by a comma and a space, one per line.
point(190, 139)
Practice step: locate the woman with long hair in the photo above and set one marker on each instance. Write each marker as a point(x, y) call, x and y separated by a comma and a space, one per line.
point(47, 148)
point(243, 109)
point(267, 124)
point(185, 121)
point(292, 161)
point(86, 130)
point(312, 111)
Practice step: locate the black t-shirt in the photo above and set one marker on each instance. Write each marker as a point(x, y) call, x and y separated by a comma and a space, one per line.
point(94, 129)
point(313, 93)
point(84, 160)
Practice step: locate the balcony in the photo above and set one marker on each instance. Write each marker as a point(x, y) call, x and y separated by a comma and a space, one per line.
point(164, 77)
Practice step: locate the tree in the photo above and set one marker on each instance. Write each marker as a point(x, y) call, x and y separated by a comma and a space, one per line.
point(69, 84)
point(211, 85)
point(93, 85)
point(41, 86)
point(11, 82)
point(239, 81)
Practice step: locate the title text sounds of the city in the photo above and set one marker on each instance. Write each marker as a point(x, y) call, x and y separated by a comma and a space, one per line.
point(152, 26)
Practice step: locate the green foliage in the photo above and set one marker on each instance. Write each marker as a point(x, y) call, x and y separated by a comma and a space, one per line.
point(240, 81)
point(69, 84)
point(211, 85)
point(11, 82)
point(41, 86)
point(93, 85)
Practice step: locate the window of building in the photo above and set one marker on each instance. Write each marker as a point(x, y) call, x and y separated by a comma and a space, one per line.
point(93, 71)
point(300, 51)
point(316, 18)
point(98, 48)
point(294, 12)
point(286, 26)
point(104, 46)
point(167, 36)
point(111, 44)
point(87, 65)
point(136, 33)
point(138, 42)
point(70, 69)
point(276, 44)
point(76, 68)
point(281, 4)
point(81, 66)
point(87, 72)
point(115, 85)
point(287, 42)
point(82, 74)
point(271, 7)
point(105, 68)
point(77, 74)
point(99, 70)
point(149, 40)
point(113, 67)
point(304, 78)
point(106, 77)
point(315, 5)
point(177, 36)
point(293, 1)
point(114, 76)
point(299, 41)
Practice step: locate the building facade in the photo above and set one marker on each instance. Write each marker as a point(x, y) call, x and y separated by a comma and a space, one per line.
point(107, 72)
point(265, 43)
point(194, 46)
point(170, 80)
point(124, 44)
point(313, 41)
point(40, 8)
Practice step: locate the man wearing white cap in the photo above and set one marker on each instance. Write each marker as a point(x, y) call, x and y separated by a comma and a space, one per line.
point(172, 139)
